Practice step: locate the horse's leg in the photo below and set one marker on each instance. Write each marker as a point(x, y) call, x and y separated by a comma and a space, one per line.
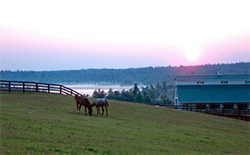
point(106, 107)
point(96, 110)
point(85, 110)
point(80, 107)
point(102, 110)
point(77, 107)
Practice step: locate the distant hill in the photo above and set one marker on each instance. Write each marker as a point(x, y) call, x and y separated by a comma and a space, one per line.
point(148, 75)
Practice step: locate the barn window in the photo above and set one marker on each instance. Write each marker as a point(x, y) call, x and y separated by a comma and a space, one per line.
point(224, 82)
point(200, 82)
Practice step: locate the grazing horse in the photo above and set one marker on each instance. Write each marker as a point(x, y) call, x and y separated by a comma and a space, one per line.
point(83, 101)
point(101, 103)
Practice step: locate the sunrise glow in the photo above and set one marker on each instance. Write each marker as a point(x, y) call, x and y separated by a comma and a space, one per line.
point(131, 33)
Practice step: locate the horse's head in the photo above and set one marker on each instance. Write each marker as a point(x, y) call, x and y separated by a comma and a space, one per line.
point(77, 98)
point(90, 110)
point(93, 104)
point(89, 107)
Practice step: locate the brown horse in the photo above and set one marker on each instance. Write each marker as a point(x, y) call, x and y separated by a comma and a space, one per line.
point(101, 103)
point(83, 101)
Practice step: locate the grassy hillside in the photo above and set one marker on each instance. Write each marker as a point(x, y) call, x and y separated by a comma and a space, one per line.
point(49, 123)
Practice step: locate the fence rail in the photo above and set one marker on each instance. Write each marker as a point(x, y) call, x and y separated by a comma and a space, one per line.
point(215, 110)
point(243, 114)
point(26, 86)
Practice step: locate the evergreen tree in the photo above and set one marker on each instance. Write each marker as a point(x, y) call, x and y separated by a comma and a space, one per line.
point(138, 98)
point(99, 94)
point(116, 95)
point(111, 94)
point(164, 86)
point(135, 89)
point(147, 99)
point(158, 89)
point(164, 99)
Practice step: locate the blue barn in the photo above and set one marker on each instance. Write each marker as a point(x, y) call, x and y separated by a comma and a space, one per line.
point(212, 92)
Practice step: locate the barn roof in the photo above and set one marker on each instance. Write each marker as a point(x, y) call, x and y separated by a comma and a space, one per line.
point(212, 77)
point(213, 93)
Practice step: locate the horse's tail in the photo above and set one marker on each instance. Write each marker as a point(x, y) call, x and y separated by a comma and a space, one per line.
point(107, 103)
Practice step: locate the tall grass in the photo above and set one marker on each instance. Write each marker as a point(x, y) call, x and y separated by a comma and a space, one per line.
point(49, 123)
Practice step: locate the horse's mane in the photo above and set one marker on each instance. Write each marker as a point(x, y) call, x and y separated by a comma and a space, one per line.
point(87, 101)
point(106, 102)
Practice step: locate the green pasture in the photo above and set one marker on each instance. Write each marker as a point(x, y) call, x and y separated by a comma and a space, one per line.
point(35, 123)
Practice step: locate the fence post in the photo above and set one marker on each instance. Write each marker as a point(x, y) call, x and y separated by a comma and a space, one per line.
point(71, 92)
point(9, 86)
point(37, 87)
point(60, 89)
point(23, 87)
point(48, 88)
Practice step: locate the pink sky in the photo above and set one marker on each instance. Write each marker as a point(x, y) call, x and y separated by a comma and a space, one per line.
point(152, 33)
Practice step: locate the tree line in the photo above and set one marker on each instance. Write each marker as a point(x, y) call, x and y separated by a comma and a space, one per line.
point(145, 76)
point(155, 95)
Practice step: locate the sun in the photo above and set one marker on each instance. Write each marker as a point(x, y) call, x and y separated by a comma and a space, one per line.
point(192, 53)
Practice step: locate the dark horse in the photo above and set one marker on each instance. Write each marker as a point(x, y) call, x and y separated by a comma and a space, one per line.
point(83, 101)
point(101, 103)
